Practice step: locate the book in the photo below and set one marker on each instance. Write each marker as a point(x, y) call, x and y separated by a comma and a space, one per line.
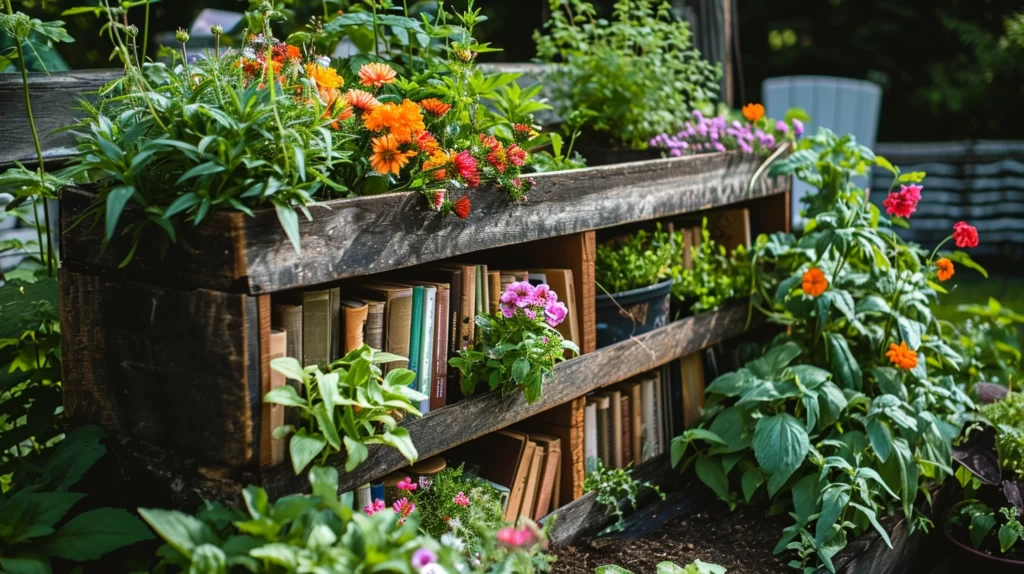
point(317, 327)
point(549, 475)
point(561, 282)
point(272, 450)
point(467, 300)
point(626, 414)
point(364, 496)
point(442, 329)
point(493, 291)
point(415, 332)
point(353, 324)
point(397, 318)
point(649, 448)
point(615, 411)
point(518, 488)
point(452, 277)
point(590, 452)
point(604, 429)
point(288, 318)
point(633, 390)
point(507, 469)
point(425, 373)
point(658, 425)
point(373, 329)
point(692, 377)
point(336, 330)
point(377, 490)
point(482, 301)
point(532, 480)
point(537, 278)
point(668, 410)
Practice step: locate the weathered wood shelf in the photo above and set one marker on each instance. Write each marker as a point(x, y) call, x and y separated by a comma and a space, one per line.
point(350, 237)
point(470, 418)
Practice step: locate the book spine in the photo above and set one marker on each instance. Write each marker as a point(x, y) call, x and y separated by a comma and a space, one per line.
point(377, 490)
point(289, 319)
point(415, 331)
point(479, 287)
point(590, 452)
point(373, 334)
point(636, 404)
point(316, 328)
point(441, 349)
point(493, 291)
point(659, 416)
point(649, 448)
point(364, 496)
point(336, 342)
point(468, 305)
point(427, 336)
point(626, 412)
point(604, 434)
point(353, 327)
point(615, 410)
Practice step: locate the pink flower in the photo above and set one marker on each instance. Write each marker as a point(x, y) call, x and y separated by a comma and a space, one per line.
point(965, 235)
point(403, 508)
point(438, 199)
point(555, 313)
point(912, 191)
point(508, 310)
point(530, 313)
point(542, 295)
point(461, 499)
point(520, 293)
point(903, 203)
point(515, 537)
point(374, 507)
point(407, 484)
point(423, 557)
point(781, 126)
point(798, 128)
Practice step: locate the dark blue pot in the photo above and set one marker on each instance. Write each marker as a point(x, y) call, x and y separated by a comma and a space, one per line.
point(630, 313)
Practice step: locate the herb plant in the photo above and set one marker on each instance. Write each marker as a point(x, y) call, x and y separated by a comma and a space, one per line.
point(637, 74)
point(614, 486)
point(451, 503)
point(349, 406)
point(750, 132)
point(1007, 416)
point(988, 341)
point(638, 260)
point(715, 276)
point(520, 346)
point(846, 416)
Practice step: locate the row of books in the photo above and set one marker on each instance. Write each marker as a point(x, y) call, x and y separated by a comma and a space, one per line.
point(634, 421)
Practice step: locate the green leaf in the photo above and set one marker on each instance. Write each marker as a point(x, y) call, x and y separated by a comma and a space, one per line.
point(290, 368)
point(520, 369)
point(833, 500)
point(910, 330)
point(289, 508)
point(209, 559)
point(880, 437)
point(116, 200)
point(1007, 537)
point(884, 163)
point(25, 565)
point(399, 378)
point(780, 445)
point(277, 553)
point(399, 439)
point(76, 454)
point(752, 479)
point(728, 427)
point(964, 259)
point(304, 447)
point(323, 482)
point(908, 475)
point(256, 501)
point(183, 202)
point(981, 525)
point(843, 364)
point(285, 395)
point(731, 384)
point(711, 473)
point(290, 223)
point(611, 569)
point(913, 176)
point(873, 519)
point(357, 453)
point(805, 497)
point(181, 531)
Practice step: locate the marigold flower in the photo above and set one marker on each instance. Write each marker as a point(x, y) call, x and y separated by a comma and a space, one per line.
point(465, 165)
point(438, 161)
point(376, 74)
point(461, 499)
point(814, 282)
point(387, 158)
point(945, 269)
point(902, 356)
point(965, 235)
point(753, 112)
point(435, 106)
point(361, 100)
point(326, 80)
point(461, 207)
point(404, 121)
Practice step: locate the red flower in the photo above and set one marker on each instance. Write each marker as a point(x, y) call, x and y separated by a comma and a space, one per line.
point(461, 207)
point(965, 235)
point(490, 141)
point(465, 165)
point(903, 203)
point(438, 199)
point(516, 155)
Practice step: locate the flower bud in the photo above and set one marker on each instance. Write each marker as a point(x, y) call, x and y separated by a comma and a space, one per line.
point(216, 29)
point(132, 31)
point(181, 36)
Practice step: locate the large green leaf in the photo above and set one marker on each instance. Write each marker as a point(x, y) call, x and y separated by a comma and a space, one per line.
point(304, 447)
point(844, 365)
point(728, 427)
point(400, 439)
point(24, 565)
point(908, 475)
point(92, 534)
point(880, 437)
point(710, 471)
point(833, 501)
point(76, 454)
point(357, 453)
point(780, 445)
point(775, 360)
point(181, 531)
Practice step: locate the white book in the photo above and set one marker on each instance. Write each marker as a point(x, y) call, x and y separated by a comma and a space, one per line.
point(650, 428)
point(590, 452)
point(363, 496)
point(425, 374)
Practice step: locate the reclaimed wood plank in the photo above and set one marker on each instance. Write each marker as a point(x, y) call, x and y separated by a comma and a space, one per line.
point(478, 415)
point(351, 237)
point(166, 366)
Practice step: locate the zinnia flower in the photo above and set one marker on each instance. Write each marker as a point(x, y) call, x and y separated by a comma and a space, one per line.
point(965, 235)
point(461, 499)
point(403, 508)
point(374, 507)
point(465, 165)
point(427, 143)
point(945, 269)
point(387, 158)
point(438, 161)
point(515, 537)
point(422, 557)
point(438, 200)
point(523, 132)
point(376, 74)
point(404, 121)
point(327, 81)
point(814, 282)
point(406, 484)
point(781, 127)
point(753, 112)
point(361, 100)
point(435, 106)
point(902, 356)
point(903, 203)
point(516, 155)
point(798, 128)
point(461, 207)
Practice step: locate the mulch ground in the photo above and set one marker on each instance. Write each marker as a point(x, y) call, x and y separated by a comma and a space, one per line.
point(679, 531)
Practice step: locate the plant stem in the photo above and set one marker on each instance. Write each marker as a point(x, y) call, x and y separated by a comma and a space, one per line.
point(376, 44)
point(405, 6)
point(145, 32)
point(48, 256)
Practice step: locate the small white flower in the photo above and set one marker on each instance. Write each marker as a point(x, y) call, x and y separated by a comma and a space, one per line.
point(324, 61)
point(433, 568)
point(455, 523)
point(454, 542)
point(248, 53)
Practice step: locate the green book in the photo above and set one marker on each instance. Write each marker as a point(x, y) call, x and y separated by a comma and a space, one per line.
point(415, 332)
point(481, 281)
point(425, 374)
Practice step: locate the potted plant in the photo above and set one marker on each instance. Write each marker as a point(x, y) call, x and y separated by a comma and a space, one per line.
point(629, 78)
point(982, 507)
point(714, 277)
point(718, 129)
point(634, 281)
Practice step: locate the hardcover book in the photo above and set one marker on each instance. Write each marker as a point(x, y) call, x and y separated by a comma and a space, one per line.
point(590, 451)
point(626, 414)
point(550, 466)
point(373, 330)
point(353, 324)
point(425, 373)
point(288, 318)
point(397, 318)
point(317, 326)
point(415, 332)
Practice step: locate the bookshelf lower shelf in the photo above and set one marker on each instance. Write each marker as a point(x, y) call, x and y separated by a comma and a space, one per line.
point(455, 424)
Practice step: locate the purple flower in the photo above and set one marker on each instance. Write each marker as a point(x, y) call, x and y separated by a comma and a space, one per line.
point(519, 294)
point(798, 127)
point(508, 310)
point(555, 313)
point(746, 147)
point(542, 295)
point(781, 126)
point(530, 313)
point(422, 557)
point(719, 146)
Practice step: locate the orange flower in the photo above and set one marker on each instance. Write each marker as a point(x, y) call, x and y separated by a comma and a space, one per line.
point(327, 81)
point(376, 74)
point(814, 282)
point(346, 113)
point(360, 100)
point(435, 106)
point(293, 52)
point(426, 142)
point(902, 356)
point(945, 269)
point(753, 112)
point(439, 159)
point(405, 120)
point(387, 158)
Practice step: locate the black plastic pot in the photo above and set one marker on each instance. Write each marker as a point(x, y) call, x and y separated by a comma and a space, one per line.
point(963, 558)
point(633, 312)
point(606, 156)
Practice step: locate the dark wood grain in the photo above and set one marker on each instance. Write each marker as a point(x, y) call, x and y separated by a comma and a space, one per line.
point(55, 105)
point(166, 366)
point(352, 237)
point(473, 417)
point(869, 553)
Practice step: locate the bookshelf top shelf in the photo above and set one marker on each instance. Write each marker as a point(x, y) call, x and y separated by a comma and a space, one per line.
point(361, 236)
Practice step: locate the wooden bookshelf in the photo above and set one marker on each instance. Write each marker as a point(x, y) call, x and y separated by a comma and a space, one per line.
point(170, 355)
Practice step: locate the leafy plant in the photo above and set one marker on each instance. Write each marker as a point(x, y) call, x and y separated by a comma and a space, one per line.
point(749, 131)
point(978, 521)
point(350, 406)
point(1007, 416)
point(715, 276)
point(989, 343)
point(846, 416)
point(637, 260)
point(637, 74)
point(613, 487)
point(695, 567)
point(35, 525)
point(452, 503)
point(518, 347)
